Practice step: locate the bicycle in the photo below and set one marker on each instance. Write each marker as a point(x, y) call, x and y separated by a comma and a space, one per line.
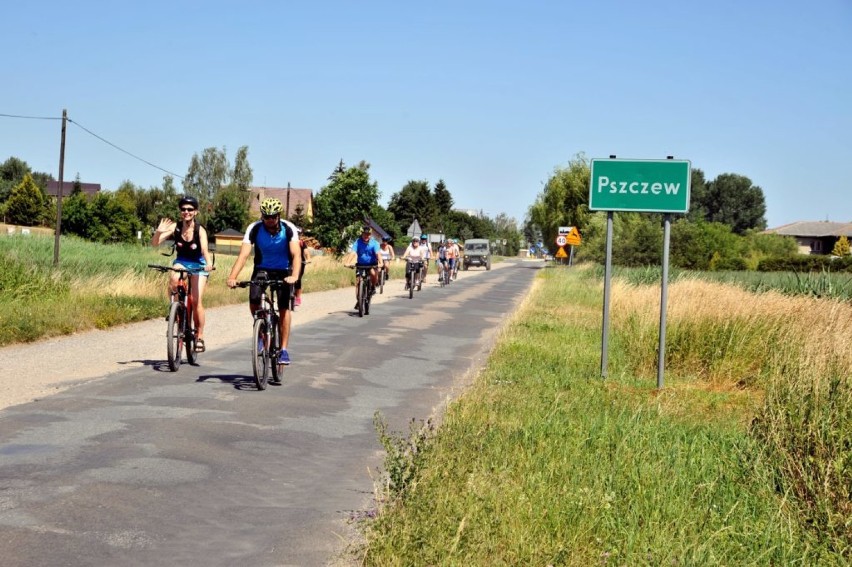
point(442, 272)
point(413, 271)
point(266, 336)
point(383, 274)
point(447, 272)
point(365, 286)
point(181, 331)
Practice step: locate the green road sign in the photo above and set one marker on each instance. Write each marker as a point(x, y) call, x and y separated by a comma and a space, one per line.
point(651, 186)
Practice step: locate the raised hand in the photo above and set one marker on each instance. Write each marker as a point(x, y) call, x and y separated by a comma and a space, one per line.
point(166, 226)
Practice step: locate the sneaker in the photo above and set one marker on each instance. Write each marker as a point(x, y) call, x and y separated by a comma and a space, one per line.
point(284, 357)
point(297, 302)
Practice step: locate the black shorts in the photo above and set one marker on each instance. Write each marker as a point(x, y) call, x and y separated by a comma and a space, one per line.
point(282, 294)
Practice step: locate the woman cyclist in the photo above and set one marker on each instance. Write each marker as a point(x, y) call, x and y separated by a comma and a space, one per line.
point(416, 256)
point(190, 240)
point(387, 255)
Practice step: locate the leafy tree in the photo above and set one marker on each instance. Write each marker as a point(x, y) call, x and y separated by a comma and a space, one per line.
point(12, 172)
point(564, 201)
point(26, 204)
point(733, 200)
point(76, 216)
point(342, 205)
point(113, 218)
point(242, 175)
point(415, 201)
point(384, 219)
point(443, 198)
point(704, 245)
point(301, 219)
point(207, 175)
point(231, 210)
point(697, 196)
point(841, 247)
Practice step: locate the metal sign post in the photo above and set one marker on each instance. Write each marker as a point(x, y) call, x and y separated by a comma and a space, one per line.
point(654, 186)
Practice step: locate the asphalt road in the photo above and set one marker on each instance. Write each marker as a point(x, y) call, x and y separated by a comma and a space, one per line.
point(196, 467)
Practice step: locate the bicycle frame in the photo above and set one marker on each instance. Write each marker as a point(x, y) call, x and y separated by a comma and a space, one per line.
point(266, 335)
point(181, 332)
point(365, 287)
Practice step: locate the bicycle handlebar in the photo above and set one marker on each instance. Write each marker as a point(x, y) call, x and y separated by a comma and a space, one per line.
point(262, 283)
point(165, 269)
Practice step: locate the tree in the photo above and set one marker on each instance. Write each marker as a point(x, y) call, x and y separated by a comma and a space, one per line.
point(342, 205)
point(733, 200)
point(841, 247)
point(704, 245)
point(697, 196)
point(564, 201)
point(300, 218)
point(443, 198)
point(113, 218)
point(242, 175)
point(207, 175)
point(415, 201)
point(26, 204)
point(231, 210)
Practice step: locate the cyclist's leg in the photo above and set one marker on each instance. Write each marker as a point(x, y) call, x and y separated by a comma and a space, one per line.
point(174, 277)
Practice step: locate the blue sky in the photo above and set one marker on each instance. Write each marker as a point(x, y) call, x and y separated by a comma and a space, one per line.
point(488, 96)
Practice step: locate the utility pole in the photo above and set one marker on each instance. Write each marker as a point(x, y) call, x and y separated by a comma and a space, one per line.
point(59, 194)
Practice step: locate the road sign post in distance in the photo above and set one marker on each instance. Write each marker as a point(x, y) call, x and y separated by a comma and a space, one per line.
point(651, 186)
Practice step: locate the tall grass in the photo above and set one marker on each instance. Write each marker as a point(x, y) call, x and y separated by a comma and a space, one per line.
point(99, 286)
point(543, 463)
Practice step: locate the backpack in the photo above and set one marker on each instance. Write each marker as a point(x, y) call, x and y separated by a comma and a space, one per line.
point(288, 235)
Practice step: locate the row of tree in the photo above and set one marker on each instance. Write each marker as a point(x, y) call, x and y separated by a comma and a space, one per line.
point(341, 206)
point(721, 230)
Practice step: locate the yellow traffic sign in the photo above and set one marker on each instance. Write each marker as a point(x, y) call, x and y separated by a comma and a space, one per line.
point(561, 253)
point(573, 237)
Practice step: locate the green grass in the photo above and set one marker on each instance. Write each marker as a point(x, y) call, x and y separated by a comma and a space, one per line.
point(543, 463)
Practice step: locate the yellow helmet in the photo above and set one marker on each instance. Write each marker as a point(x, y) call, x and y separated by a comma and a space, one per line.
point(270, 207)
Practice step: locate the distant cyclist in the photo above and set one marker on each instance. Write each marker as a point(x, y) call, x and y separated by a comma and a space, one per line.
point(452, 255)
point(415, 256)
point(190, 240)
point(367, 253)
point(276, 252)
point(427, 254)
point(387, 255)
point(441, 260)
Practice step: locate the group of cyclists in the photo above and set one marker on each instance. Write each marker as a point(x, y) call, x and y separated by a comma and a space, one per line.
point(280, 252)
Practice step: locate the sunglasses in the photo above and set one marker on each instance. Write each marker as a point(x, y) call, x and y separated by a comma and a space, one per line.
point(267, 217)
point(186, 209)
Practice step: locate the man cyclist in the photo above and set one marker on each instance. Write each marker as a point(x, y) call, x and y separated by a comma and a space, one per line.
point(276, 252)
point(367, 253)
point(427, 254)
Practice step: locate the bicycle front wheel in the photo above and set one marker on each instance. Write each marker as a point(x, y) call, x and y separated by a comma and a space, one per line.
point(174, 335)
point(362, 297)
point(260, 354)
point(410, 278)
point(381, 281)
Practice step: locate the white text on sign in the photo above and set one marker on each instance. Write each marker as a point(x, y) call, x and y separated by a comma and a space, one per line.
point(636, 187)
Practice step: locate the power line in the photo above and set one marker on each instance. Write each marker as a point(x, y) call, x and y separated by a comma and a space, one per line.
point(96, 136)
point(123, 150)
point(31, 117)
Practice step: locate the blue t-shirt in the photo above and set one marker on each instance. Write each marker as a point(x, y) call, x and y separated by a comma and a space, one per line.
point(271, 251)
point(367, 252)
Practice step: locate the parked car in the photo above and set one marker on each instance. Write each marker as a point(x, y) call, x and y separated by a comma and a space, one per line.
point(477, 252)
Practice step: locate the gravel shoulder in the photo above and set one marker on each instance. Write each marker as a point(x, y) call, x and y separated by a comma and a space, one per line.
point(29, 372)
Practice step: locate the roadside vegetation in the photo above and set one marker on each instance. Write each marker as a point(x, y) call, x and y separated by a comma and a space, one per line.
point(742, 459)
point(97, 286)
